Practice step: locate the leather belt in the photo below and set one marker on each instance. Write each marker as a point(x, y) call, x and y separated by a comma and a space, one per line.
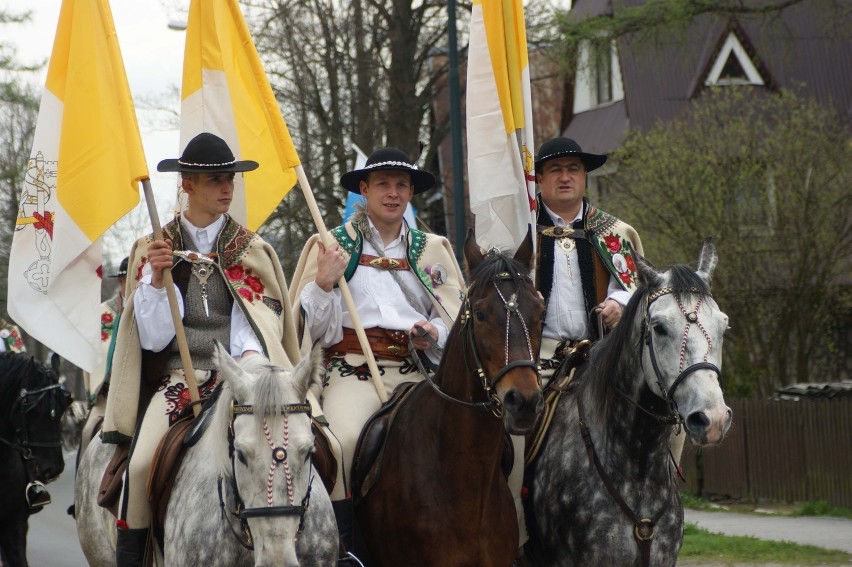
point(561, 232)
point(385, 343)
point(383, 263)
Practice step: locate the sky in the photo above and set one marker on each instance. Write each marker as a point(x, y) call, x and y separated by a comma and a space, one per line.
point(153, 61)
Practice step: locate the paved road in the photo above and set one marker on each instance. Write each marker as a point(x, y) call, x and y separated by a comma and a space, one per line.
point(52, 538)
point(822, 531)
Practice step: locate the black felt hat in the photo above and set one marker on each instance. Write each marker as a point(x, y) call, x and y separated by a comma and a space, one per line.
point(122, 269)
point(385, 159)
point(206, 153)
point(559, 147)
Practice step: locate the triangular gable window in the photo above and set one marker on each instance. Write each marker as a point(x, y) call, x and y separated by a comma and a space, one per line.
point(733, 66)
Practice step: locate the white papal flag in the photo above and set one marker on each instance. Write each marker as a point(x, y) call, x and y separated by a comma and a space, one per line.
point(501, 176)
point(226, 92)
point(81, 178)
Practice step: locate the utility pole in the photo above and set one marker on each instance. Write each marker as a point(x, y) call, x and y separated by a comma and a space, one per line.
point(455, 132)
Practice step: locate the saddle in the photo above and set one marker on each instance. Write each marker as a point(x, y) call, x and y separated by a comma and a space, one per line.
point(367, 462)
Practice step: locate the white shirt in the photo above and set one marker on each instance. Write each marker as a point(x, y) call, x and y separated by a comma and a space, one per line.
point(154, 317)
point(566, 316)
point(378, 300)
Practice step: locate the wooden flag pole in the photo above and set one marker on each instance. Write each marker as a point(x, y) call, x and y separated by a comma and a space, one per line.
point(168, 282)
point(344, 287)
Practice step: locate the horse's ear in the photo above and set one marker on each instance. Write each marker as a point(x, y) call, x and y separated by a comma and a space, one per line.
point(472, 253)
point(524, 254)
point(308, 374)
point(229, 370)
point(648, 274)
point(707, 260)
point(55, 361)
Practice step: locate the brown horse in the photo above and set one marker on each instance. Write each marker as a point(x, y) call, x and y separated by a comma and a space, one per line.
point(442, 497)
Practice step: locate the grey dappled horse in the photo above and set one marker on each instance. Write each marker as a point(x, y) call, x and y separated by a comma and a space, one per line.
point(257, 451)
point(602, 488)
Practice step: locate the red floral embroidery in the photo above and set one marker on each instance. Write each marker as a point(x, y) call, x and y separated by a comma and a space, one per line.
point(235, 272)
point(245, 283)
point(613, 243)
point(107, 325)
point(625, 277)
point(631, 265)
point(254, 283)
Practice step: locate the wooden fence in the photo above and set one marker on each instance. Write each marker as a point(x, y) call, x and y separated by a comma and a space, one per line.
point(792, 451)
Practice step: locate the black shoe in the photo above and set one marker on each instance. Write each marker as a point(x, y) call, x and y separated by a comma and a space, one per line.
point(130, 547)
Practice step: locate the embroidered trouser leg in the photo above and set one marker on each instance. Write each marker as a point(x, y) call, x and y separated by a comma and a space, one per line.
point(350, 398)
point(168, 401)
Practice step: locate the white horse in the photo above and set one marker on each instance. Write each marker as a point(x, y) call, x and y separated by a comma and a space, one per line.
point(602, 488)
point(246, 492)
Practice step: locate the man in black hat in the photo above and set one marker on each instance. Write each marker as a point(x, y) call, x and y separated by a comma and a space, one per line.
point(403, 281)
point(586, 268)
point(230, 289)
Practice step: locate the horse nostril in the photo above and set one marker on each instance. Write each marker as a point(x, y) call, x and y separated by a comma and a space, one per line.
point(511, 401)
point(697, 421)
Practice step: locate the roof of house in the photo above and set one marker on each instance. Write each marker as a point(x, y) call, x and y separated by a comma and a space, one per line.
point(799, 47)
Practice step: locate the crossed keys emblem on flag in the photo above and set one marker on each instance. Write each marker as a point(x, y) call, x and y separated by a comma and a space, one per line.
point(32, 211)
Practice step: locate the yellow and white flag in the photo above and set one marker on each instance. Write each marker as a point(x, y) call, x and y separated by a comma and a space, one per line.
point(81, 178)
point(500, 169)
point(226, 92)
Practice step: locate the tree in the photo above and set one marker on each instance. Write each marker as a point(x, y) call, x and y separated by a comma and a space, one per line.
point(348, 71)
point(768, 176)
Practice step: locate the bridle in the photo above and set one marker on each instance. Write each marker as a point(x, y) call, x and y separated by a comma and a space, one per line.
point(673, 417)
point(35, 491)
point(279, 457)
point(492, 403)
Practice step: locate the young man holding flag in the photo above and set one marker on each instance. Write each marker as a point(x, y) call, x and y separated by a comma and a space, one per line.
point(230, 289)
point(403, 281)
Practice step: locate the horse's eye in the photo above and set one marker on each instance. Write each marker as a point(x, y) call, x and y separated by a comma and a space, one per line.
point(241, 457)
point(660, 330)
point(480, 315)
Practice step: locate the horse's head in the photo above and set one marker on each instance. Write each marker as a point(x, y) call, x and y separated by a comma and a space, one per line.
point(270, 443)
point(502, 316)
point(682, 331)
point(32, 406)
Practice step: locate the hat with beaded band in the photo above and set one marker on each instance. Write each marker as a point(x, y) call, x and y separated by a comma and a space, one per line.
point(388, 159)
point(560, 147)
point(207, 153)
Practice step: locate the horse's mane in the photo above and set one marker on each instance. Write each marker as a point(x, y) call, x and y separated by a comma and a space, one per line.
point(612, 358)
point(15, 369)
point(270, 392)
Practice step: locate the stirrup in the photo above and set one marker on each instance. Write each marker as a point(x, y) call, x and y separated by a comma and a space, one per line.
point(37, 496)
point(350, 559)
